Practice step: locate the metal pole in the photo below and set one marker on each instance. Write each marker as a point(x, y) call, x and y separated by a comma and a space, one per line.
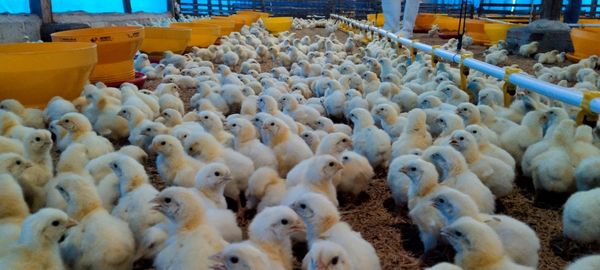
point(569, 96)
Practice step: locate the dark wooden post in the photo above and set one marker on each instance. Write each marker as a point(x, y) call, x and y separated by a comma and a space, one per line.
point(551, 9)
point(127, 6)
point(42, 8)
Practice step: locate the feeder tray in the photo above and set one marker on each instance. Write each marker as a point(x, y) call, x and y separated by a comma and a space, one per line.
point(161, 39)
point(584, 43)
point(40, 71)
point(497, 31)
point(276, 25)
point(202, 35)
point(139, 80)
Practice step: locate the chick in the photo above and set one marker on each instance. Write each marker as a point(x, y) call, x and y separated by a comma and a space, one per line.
point(239, 256)
point(368, 140)
point(471, 116)
point(356, 174)
point(326, 255)
point(173, 164)
point(516, 140)
point(328, 126)
point(268, 104)
point(136, 120)
point(30, 117)
point(586, 174)
point(315, 174)
point(488, 148)
point(60, 134)
point(99, 241)
point(99, 167)
point(37, 150)
point(265, 189)
point(586, 263)
point(13, 209)
point(552, 170)
point(454, 173)
point(399, 182)
point(210, 183)
point(323, 223)
point(447, 123)
point(300, 113)
point(444, 266)
point(109, 123)
point(72, 161)
point(37, 246)
point(519, 240)
point(579, 221)
point(11, 126)
point(414, 135)
point(391, 122)
point(529, 49)
point(205, 148)
point(497, 58)
point(247, 143)
point(312, 139)
point(80, 131)
point(477, 246)
point(135, 193)
point(270, 232)
point(495, 174)
point(8, 145)
point(288, 148)
point(56, 108)
point(193, 240)
point(212, 124)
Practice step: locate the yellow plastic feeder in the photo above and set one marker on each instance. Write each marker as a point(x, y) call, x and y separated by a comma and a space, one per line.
point(277, 25)
point(584, 43)
point(33, 73)
point(248, 18)
point(447, 23)
point(497, 31)
point(262, 15)
point(202, 35)
point(424, 21)
point(227, 26)
point(116, 48)
point(377, 18)
point(590, 21)
point(238, 22)
point(476, 29)
point(160, 39)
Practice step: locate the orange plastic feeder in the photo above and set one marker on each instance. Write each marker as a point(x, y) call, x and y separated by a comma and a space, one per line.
point(202, 35)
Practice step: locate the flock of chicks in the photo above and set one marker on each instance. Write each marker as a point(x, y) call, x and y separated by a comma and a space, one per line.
point(275, 141)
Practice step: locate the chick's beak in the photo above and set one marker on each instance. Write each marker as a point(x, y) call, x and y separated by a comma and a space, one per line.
point(217, 257)
point(157, 204)
point(298, 226)
point(454, 142)
point(404, 170)
point(70, 223)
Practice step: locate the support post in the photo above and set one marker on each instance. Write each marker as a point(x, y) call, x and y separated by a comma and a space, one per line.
point(551, 9)
point(127, 6)
point(42, 8)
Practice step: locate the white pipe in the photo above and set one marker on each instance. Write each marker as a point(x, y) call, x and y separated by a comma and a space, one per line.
point(493, 20)
point(566, 95)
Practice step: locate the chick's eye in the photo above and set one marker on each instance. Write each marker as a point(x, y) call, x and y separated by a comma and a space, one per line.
point(284, 221)
point(335, 260)
point(464, 109)
point(163, 143)
point(461, 138)
point(457, 233)
point(234, 125)
point(344, 140)
point(331, 164)
point(303, 206)
point(474, 131)
point(167, 200)
point(67, 121)
point(217, 174)
point(55, 223)
point(18, 162)
point(148, 129)
point(413, 169)
point(234, 259)
point(272, 124)
point(37, 139)
point(441, 200)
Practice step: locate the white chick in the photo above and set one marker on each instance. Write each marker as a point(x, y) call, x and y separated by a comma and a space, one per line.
point(519, 240)
point(444, 266)
point(529, 49)
point(495, 174)
point(323, 223)
point(56, 108)
point(37, 246)
point(447, 123)
point(13, 209)
point(312, 139)
point(270, 232)
point(193, 239)
point(247, 143)
point(488, 148)
point(8, 145)
point(414, 135)
point(265, 189)
point(477, 246)
point(471, 116)
point(497, 58)
point(516, 140)
point(211, 122)
point(586, 174)
point(580, 222)
point(99, 241)
point(552, 170)
point(356, 174)
point(30, 117)
point(391, 122)
point(207, 149)
point(37, 150)
point(328, 126)
point(80, 131)
point(334, 144)
point(399, 182)
point(368, 140)
point(268, 104)
point(590, 262)
point(108, 122)
point(300, 113)
point(135, 193)
point(240, 256)
point(210, 183)
point(315, 174)
point(288, 147)
point(72, 161)
point(173, 164)
point(326, 255)
point(454, 173)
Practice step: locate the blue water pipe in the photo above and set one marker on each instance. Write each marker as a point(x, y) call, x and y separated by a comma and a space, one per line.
point(566, 95)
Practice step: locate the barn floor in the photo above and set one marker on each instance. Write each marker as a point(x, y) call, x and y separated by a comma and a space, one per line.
point(390, 230)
